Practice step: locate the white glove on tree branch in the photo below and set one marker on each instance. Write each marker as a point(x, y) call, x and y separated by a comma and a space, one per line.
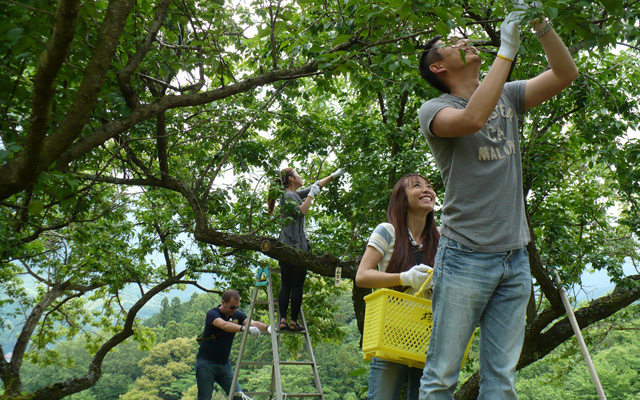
point(338, 173)
point(254, 331)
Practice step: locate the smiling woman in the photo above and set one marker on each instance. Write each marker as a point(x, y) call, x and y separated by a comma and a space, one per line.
point(400, 254)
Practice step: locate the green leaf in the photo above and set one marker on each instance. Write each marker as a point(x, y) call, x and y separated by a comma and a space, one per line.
point(35, 207)
point(443, 29)
point(340, 39)
point(359, 372)
point(13, 35)
point(613, 6)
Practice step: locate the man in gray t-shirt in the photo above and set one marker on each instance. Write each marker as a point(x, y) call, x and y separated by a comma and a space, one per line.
point(481, 271)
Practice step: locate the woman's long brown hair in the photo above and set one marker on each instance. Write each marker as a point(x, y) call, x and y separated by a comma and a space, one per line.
point(279, 184)
point(402, 259)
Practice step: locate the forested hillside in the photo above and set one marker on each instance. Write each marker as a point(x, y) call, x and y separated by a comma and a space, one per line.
point(165, 371)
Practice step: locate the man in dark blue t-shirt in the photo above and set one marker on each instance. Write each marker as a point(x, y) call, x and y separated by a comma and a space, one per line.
point(212, 361)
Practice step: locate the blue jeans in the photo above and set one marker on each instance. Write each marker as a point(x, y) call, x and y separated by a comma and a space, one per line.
point(386, 379)
point(471, 288)
point(208, 372)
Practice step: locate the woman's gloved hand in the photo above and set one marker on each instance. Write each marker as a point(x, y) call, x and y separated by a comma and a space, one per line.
point(315, 189)
point(338, 173)
point(416, 276)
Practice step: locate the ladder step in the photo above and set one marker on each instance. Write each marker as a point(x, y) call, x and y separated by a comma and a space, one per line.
point(296, 363)
point(269, 363)
point(287, 394)
point(265, 302)
point(257, 363)
point(255, 393)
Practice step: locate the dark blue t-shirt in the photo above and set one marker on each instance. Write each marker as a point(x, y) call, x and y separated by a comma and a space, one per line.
point(217, 350)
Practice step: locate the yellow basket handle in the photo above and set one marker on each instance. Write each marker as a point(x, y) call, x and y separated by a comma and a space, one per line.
point(424, 285)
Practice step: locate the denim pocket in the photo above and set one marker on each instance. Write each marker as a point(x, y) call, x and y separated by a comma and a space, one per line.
point(456, 246)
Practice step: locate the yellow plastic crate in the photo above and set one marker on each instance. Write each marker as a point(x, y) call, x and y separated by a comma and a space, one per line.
point(397, 327)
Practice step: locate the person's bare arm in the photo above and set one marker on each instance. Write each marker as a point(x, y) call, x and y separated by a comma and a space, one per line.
point(259, 325)
point(306, 205)
point(368, 276)
point(562, 73)
point(226, 326)
point(325, 181)
point(452, 122)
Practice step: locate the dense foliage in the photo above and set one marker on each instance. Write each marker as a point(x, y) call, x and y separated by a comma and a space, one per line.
point(139, 140)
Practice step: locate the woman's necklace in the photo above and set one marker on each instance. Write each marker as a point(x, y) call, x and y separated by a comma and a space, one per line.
point(413, 242)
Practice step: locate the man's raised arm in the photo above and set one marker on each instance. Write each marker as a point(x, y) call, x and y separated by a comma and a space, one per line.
point(563, 68)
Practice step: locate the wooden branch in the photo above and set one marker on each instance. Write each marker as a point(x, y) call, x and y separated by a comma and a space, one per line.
point(49, 64)
point(273, 16)
point(65, 145)
point(41, 152)
point(165, 251)
point(59, 390)
point(542, 344)
point(10, 372)
point(94, 76)
point(537, 345)
point(322, 265)
point(539, 272)
point(124, 76)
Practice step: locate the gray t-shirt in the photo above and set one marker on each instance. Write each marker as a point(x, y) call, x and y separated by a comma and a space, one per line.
point(293, 231)
point(483, 203)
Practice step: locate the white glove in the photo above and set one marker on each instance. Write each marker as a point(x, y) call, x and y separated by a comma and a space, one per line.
point(269, 329)
point(315, 189)
point(520, 5)
point(338, 173)
point(416, 276)
point(254, 331)
point(510, 36)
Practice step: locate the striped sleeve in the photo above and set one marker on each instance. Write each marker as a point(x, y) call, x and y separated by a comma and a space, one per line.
point(383, 238)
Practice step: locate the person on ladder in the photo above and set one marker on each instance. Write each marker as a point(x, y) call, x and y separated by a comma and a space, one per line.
point(402, 249)
point(212, 361)
point(293, 210)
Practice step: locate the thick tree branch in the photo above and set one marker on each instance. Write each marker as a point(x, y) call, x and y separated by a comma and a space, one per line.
point(537, 345)
point(323, 265)
point(22, 171)
point(124, 76)
point(59, 148)
point(540, 345)
point(273, 16)
point(165, 251)
point(49, 64)
point(10, 372)
point(69, 386)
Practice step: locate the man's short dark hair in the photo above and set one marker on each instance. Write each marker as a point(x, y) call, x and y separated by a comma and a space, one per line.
point(429, 56)
point(230, 294)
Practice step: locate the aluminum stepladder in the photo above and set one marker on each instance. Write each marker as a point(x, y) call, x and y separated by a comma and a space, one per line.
point(263, 280)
